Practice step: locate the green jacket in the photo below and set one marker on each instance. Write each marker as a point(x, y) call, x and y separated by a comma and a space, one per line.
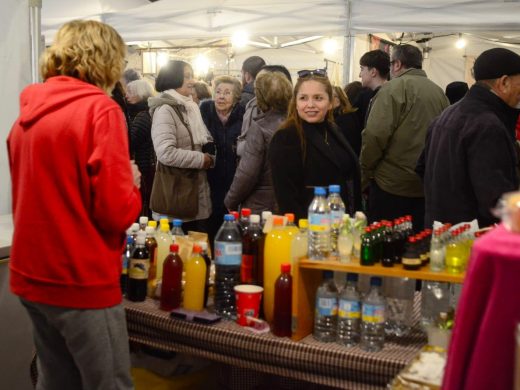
point(396, 130)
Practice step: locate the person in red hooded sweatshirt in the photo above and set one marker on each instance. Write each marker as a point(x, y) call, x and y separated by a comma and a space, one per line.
point(74, 192)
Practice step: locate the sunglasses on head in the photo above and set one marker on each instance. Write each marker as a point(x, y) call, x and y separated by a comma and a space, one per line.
point(315, 72)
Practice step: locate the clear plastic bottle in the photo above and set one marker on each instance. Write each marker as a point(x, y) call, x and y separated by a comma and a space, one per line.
point(164, 240)
point(228, 257)
point(437, 252)
point(319, 226)
point(373, 318)
point(349, 313)
point(454, 254)
point(435, 298)
point(299, 245)
point(134, 229)
point(399, 293)
point(283, 303)
point(337, 210)
point(345, 240)
point(125, 259)
point(326, 313)
point(177, 228)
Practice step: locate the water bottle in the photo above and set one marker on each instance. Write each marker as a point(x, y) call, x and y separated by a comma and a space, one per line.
point(228, 257)
point(437, 252)
point(337, 209)
point(435, 299)
point(373, 318)
point(326, 313)
point(399, 294)
point(319, 226)
point(177, 228)
point(349, 313)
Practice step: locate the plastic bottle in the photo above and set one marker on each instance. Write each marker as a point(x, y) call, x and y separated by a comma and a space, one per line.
point(164, 240)
point(265, 216)
point(134, 229)
point(195, 281)
point(399, 293)
point(290, 227)
point(377, 242)
point(399, 240)
point(436, 252)
point(250, 251)
point(283, 303)
point(435, 298)
point(277, 251)
point(349, 313)
point(319, 226)
point(326, 313)
point(373, 318)
point(177, 228)
point(454, 255)
point(360, 222)
point(345, 240)
point(299, 245)
point(125, 259)
point(244, 221)
point(204, 253)
point(337, 209)
point(171, 290)
point(388, 246)
point(228, 257)
point(151, 245)
point(138, 271)
point(411, 258)
point(143, 222)
point(367, 249)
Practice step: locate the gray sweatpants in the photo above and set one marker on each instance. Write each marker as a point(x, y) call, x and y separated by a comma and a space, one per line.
point(80, 349)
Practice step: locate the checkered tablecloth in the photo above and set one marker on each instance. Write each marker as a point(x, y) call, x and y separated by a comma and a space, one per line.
point(327, 364)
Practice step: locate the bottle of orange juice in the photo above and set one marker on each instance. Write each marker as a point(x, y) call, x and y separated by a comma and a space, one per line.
point(195, 281)
point(276, 252)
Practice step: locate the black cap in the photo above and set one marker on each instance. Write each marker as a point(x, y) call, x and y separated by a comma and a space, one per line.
point(456, 91)
point(495, 63)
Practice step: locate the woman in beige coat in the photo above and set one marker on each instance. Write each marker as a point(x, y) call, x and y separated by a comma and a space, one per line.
point(179, 135)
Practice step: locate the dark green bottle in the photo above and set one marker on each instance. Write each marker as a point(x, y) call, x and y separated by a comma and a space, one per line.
point(367, 248)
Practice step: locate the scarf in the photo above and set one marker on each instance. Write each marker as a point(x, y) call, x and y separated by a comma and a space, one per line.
point(198, 129)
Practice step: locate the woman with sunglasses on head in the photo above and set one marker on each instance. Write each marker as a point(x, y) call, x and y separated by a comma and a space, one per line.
point(309, 151)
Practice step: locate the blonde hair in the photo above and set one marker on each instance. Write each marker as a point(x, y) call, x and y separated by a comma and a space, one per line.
point(87, 50)
point(344, 102)
point(237, 86)
point(273, 91)
point(140, 88)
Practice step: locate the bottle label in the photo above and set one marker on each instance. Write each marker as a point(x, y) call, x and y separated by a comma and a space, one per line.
point(227, 253)
point(374, 314)
point(327, 307)
point(412, 260)
point(336, 217)
point(139, 268)
point(319, 222)
point(349, 309)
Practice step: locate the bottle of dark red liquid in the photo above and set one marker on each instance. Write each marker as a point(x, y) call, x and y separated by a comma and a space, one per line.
point(283, 303)
point(243, 222)
point(251, 241)
point(138, 271)
point(204, 253)
point(171, 290)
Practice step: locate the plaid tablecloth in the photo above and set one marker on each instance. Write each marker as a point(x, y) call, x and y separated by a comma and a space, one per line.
point(327, 364)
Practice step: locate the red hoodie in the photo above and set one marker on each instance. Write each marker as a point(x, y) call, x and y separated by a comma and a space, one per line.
point(73, 195)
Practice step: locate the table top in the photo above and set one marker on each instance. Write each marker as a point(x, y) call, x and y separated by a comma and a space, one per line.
point(309, 360)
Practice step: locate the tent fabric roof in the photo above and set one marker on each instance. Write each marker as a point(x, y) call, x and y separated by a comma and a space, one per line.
point(164, 19)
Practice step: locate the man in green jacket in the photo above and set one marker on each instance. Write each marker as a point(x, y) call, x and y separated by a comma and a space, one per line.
point(394, 138)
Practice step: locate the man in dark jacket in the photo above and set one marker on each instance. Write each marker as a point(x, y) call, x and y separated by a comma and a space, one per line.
point(469, 157)
point(250, 69)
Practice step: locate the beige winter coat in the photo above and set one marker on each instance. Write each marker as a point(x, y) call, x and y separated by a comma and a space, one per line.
point(172, 144)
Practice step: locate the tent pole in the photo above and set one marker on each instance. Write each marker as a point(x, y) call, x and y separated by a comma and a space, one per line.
point(35, 20)
point(349, 45)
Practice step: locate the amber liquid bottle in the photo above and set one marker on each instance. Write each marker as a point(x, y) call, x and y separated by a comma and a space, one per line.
point(171, 290)
point(283, 303)
point(151, 244)
point(251, 251)
point(138, 271)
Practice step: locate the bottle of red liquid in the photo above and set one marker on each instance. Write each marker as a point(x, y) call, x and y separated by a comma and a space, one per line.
point(251, 241)
point(171, 291)
point(283, 303)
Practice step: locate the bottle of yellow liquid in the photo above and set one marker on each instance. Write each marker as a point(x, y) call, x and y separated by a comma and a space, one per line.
point(195, 281)
point(164, 240)
point(455, 254)
point(299, 245)
point(277, 251)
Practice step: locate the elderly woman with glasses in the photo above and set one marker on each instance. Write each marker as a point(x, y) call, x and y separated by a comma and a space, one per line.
point(223, 118)
point(309, 151)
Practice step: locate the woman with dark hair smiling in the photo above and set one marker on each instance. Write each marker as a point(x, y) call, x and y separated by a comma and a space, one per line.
point(180, 188)
point(309, 151)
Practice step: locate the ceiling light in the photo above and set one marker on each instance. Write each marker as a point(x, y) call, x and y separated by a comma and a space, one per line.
point(330, 46)
point(162, 59)
point(201, 65)
point(461, 42)
point(239, 39)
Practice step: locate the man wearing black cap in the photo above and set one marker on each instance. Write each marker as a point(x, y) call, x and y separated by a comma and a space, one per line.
point(469, 159)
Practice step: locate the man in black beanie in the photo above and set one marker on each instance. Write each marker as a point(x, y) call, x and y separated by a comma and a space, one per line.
point(470, 159)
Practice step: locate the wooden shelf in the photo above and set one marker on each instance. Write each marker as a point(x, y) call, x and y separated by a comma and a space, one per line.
point(396, 271)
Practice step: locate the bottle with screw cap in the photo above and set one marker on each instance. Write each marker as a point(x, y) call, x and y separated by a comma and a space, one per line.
point(283, 303)
point(171, 290)
point(138, 271)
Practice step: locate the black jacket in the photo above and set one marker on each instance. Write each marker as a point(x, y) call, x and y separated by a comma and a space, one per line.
point(225, 137)
point(141, 145)
point(294, 177)
point(351, 128)
point(469, 159)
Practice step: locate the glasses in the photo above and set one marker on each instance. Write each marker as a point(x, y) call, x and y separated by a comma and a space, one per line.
point(315, 72)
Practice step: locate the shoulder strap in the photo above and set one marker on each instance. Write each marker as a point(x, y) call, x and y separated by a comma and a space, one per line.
point(178, 111)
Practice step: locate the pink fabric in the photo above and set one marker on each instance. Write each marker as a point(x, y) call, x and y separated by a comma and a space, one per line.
point(482, 350)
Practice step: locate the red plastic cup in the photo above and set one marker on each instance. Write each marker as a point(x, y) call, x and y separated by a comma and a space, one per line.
point(248, 299)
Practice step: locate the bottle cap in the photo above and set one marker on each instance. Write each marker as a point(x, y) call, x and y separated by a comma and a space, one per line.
point(375, 281)
point(286, 268)
point(428, 231)
point(140, 239)
point(254, 218)
point(334, 189)
point(229, 217)
point(174, 247)
point(266, 214)
point(135, 227)
point(149, 230)
point(143, 220)
point(277, 220)
point(152, 224)
point(408, 218)
point(164, 220)
point(177, 222)
point(203, 245)
point(129, 240)
point(320, 191)
point(412, 239)
point(235, 215)
point(351, 277)
point(303, 223)
point(328, 274)
point(196, 249)
point(165, 227)
point(368, 229)
point(290, 217)
point(245, 212)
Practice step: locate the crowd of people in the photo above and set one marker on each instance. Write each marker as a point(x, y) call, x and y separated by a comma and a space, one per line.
point(394, 142)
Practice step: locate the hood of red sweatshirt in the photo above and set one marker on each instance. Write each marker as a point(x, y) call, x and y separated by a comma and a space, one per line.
point(38, 100)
